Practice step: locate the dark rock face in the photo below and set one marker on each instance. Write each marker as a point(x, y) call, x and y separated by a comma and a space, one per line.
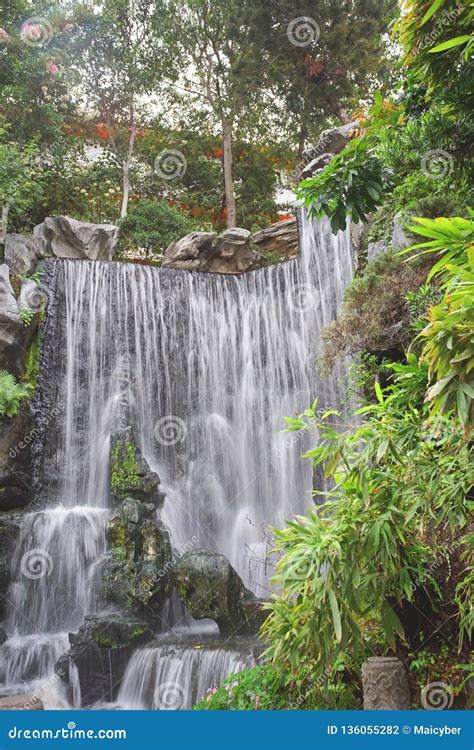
point(9, 531)
point(229, 252)
point(21, 254)
point(137, 571)
point(64, 237)
point(130, 474)
point(210, 588)
point(100, 651)
point(16, 437)
point(3, 636)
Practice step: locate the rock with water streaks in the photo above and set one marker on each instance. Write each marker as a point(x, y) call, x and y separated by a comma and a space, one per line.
point(130, 473)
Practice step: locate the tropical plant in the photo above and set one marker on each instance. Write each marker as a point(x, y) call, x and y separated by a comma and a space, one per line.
point(12, 394)
point(398, 481)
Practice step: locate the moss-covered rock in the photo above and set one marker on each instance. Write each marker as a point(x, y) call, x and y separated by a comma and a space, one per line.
point(130, 474)
point(100, 652)
point(137, 572)
point(210, 588)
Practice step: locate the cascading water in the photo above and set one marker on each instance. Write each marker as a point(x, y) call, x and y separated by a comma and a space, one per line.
point(204, 367)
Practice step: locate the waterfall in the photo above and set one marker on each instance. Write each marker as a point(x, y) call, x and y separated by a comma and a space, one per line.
point(174, 677)
point(204, 367)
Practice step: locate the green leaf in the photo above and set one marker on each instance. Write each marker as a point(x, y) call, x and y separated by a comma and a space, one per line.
point(431, 11)
point(458, 40)
point(336, 615)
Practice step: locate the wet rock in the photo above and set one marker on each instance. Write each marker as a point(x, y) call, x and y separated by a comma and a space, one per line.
point(209, 587)
point(100, 652)
point(137, 572)
point(9, 532)
point(279, 239)
point(21, 703)
point(130, 474)
point(16, 437)
point(3, 636)
point(64, 237)
point(21, 254)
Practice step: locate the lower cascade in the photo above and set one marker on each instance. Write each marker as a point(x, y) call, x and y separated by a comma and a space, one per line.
point(197, 371)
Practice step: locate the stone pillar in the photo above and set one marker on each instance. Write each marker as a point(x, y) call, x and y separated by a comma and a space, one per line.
point(385, 684)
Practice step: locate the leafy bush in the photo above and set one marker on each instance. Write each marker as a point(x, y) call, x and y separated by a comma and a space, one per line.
point(375, 317)
point(351, 185)
point(12, 394)
point(400, 497)
point(152, 226)
point(267, 688)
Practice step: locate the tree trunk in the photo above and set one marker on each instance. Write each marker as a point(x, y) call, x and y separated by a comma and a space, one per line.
point(228, 174)
point(126, 169)
point(4, 220)
point(340, 112)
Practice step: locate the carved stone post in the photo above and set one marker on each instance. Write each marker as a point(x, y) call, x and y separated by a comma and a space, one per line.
point(385, 684)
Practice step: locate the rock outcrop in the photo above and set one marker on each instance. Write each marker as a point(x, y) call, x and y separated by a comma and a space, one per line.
point(100, 652)
point(16, 437)
point(279, 240)
point(64, 237)
point(229, 252)
point(137, 571)
point(210, 588)
point(21, 254)
point(12, 334)
point(130, 474)
point(330, 142)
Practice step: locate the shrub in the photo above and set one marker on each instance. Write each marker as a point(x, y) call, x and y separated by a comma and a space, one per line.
point(267, 688)
point(152, 226)
point(12, 394)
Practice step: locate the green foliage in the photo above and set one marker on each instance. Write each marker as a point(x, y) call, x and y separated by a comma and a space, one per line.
point(448, 344)
point(12, 394)
point(266, 688)
point(351, 185)
point(152, 226)
point(399, 480)
point(366, 370)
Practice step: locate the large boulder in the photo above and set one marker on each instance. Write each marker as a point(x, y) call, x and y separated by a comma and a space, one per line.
point(320, 162)
point(330, 142)
point(21, 254)
point(100, 652)
point(137, 571)
point(130, 473)
point(279, 239)
point(12, 333)
point(64, 237)
point(210, 588)
point(230, 252)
